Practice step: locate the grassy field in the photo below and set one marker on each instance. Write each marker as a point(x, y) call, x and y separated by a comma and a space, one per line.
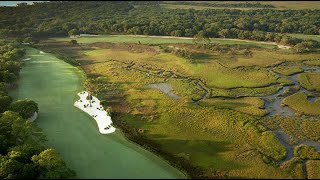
point(159, 40)
point(305, 36)
point(278, 4)
point(217, 138)
point(211, 72)
point(294, 4)
point(243, 92)
point(288, 71)
point(313, 62)
point(267, 58)
point(310, 81)
point(300, 103)
point(198, 7)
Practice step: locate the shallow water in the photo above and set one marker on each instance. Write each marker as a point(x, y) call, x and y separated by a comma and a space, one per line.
point(273, 105)
point(273, 102)
point(54, 85)
point(165, 88)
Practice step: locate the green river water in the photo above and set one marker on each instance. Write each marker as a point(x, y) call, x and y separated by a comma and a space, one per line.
point(54, 85)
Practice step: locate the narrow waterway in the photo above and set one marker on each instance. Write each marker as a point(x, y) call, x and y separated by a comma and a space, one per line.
point(273, 105)
point(273, 102)
point(54, 85)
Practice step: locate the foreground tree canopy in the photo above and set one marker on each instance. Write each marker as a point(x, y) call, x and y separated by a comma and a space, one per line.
point(26, 108)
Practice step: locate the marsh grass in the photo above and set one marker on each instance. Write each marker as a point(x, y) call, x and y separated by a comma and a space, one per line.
point(310, 81)
point(253, 106)
point(313, 169)
point(287, 71)
point(222, 139)
point(300, 103)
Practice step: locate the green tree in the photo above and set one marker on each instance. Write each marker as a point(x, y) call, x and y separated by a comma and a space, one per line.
point(52, 166)
point(74, 42)
point(73, 32)
point(5, 102)
point(300, 48)
point(224, 33)
point(10, 169)
point(26, 108)
point(26, 151)
point(89, 85)
point(201, 40)
point(17, 130)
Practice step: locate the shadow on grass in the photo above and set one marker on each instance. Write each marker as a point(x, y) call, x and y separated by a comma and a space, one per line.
point(204, 153)
point(203, 57)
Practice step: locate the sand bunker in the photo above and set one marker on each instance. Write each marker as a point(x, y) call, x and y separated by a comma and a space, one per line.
point(33, 117)
point(96, 111)
point(26, 59)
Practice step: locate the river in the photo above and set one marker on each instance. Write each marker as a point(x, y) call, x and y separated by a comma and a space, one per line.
point(54, 85)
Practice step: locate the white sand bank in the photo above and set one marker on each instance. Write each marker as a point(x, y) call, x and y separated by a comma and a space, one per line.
point(26, 59)
point(33, 117)
point(96, 111)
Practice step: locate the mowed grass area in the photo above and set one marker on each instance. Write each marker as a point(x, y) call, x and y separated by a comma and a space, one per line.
point(300, 103)
point(305, 36)
point(159, 40)
point(293, 4)
point(199, 7)
point(278, 4)
point(310, 80)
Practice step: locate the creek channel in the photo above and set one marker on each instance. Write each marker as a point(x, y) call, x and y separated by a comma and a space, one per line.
point(274, 107)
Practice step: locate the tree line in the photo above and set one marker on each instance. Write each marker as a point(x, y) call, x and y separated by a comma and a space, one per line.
point(225, 5)
point(22, 151)
point(48, 19)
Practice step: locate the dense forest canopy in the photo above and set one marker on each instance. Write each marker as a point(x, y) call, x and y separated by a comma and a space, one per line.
point(44, 19)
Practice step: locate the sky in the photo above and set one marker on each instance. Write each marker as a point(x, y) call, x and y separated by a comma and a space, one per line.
point(14, 3)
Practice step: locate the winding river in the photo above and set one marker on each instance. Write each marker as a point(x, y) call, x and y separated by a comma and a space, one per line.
point(54, 85)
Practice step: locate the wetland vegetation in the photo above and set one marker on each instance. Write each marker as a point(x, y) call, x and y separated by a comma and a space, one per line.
point(228, 91)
